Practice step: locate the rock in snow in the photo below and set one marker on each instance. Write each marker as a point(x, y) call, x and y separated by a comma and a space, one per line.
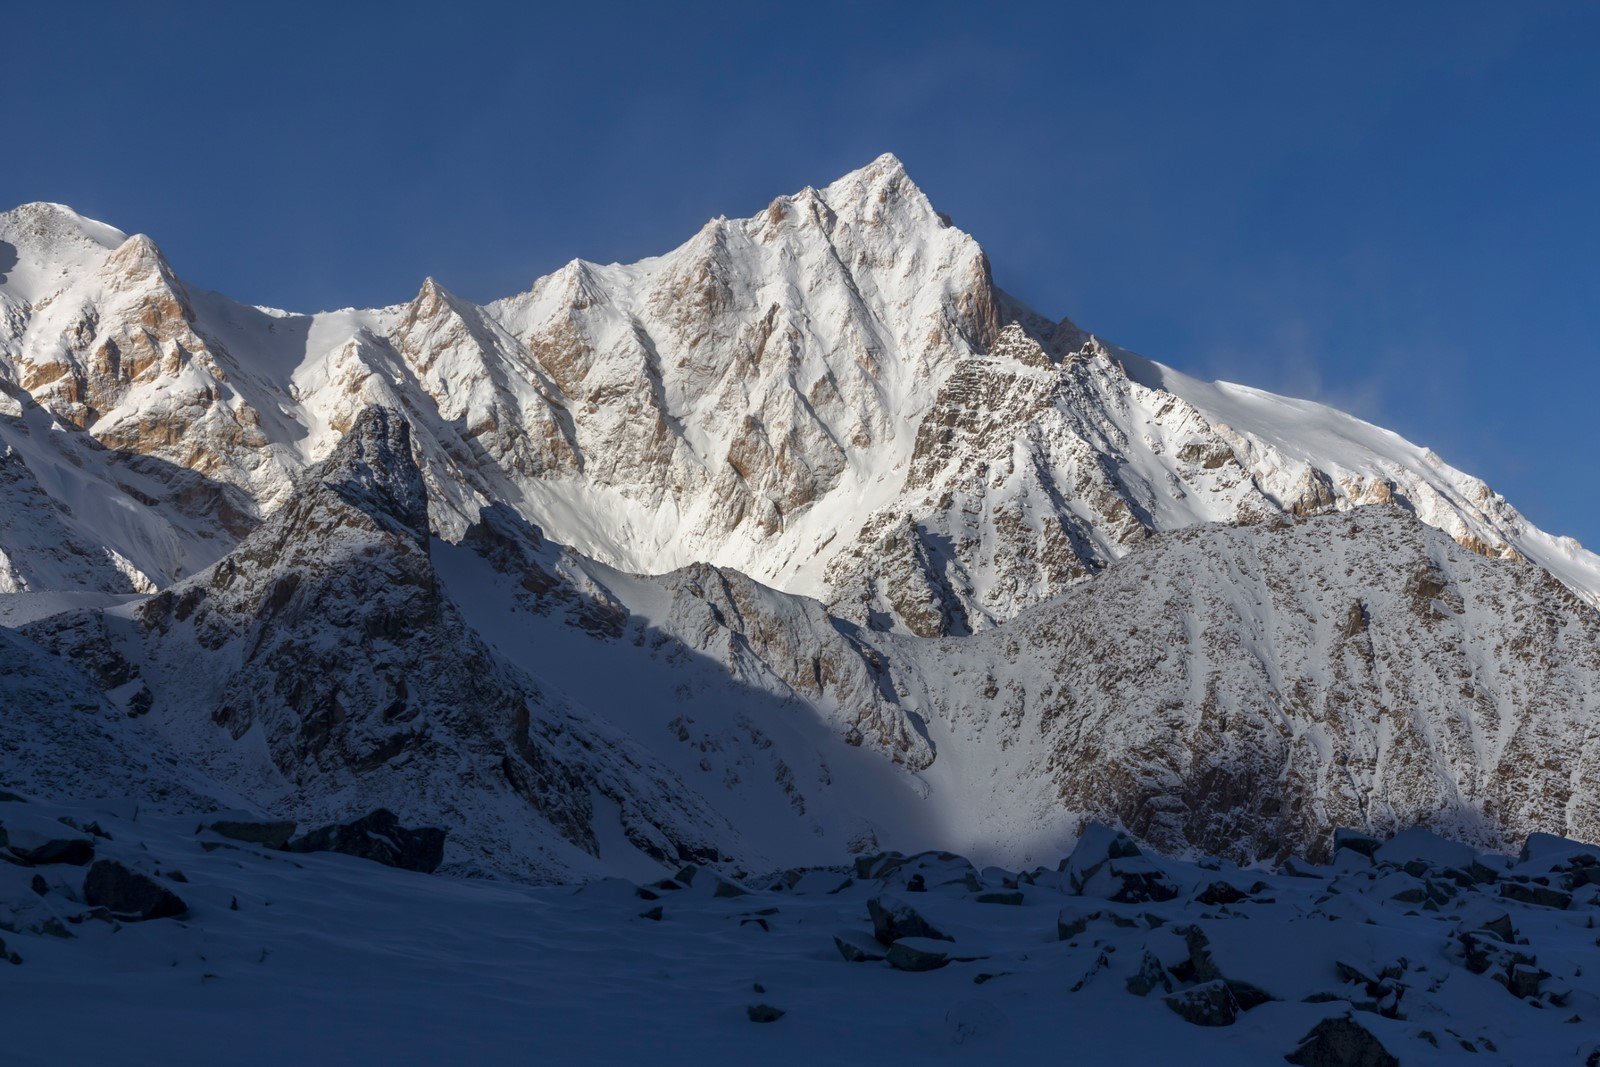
point(378, 837)
point(1341, 1042)
point(272, 833)
point(129, 895)
point(893, 920)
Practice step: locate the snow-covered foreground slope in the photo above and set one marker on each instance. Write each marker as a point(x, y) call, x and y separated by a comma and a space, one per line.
point(831, 396)
point(1415, 951)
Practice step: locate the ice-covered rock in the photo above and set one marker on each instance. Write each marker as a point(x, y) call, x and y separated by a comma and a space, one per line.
point(128, 895)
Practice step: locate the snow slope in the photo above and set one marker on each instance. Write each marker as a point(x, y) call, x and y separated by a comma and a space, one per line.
point(331, 957)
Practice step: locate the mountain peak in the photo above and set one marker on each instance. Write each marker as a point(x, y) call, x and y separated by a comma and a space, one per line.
point(138, 254)
point(372, 469)
point(886, 164)
point(47, 219)
point(884, 181)
point(44, 245)
point(433, 297)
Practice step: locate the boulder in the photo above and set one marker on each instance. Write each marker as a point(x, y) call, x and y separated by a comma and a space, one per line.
point(822, 881)
point(34, 841)
point(1488, 920)
point(921, 873)
point(918, 954)
point(1439, 892)
point(725, 888)
point(1150, 976)
point(1207, 1004)
point(1487, 953)
point(128, 895)
point(999, 876)
point(1341, 1042)
point(1541, 896)
point(1096, 844)
point(1295, 867)
point(1525, 980)
point(1070, 923)
point(269, 833)
point(619, 890)
point(1355, 841)
point(1548, 848)
point(703, 880)
point(1220, 892)
point(93, 829)
point(1426, 849)
point(785, 880)
point(1008, 896)
point(764, 1013)
point(857, 947)
point(1137, 882)
point(873, 866)
point(1199, 966)
point(1106, 863)
point(74, 851)
point(893, 919)
point(378, 837)
point(1247, 995)
point(1482, 873)
point(1398, 887)
point(1353, 974)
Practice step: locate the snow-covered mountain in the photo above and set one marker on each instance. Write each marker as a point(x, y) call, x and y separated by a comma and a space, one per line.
point(832, 397)
point(801, 539)
point(1244, 690)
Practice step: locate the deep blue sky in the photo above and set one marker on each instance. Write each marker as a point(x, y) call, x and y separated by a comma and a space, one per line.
point(1391, 207)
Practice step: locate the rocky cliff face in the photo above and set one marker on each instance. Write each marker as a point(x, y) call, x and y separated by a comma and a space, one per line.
point(319, 670)
point(1028, 476)
point(60, 735)
point(116, 352)
point(1246, 689)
